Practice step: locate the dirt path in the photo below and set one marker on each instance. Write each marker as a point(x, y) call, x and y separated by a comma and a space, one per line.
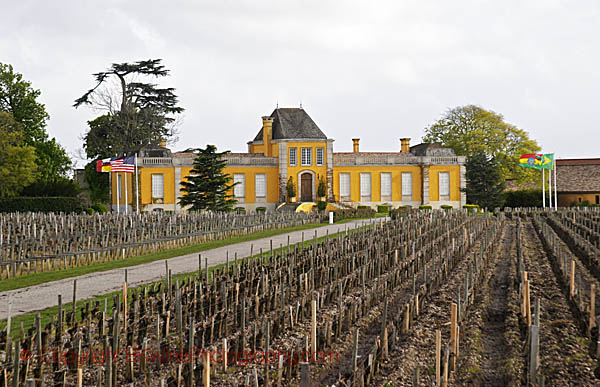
point(564, 355)
point(495, 347)
point(45, 295)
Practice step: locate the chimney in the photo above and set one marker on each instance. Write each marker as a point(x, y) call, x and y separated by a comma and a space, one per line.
point(355, 144)
point(405, 145)
point(267, 134)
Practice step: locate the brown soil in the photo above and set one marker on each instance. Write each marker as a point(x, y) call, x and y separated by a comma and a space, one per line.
point(564, 356)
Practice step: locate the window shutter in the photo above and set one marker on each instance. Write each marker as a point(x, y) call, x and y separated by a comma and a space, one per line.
point(386, 184)
point(365, 184)
point(407, 184)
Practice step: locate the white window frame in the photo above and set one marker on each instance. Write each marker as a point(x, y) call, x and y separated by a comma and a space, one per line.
point(407, 186)
point(320, 157)
point(444, 186)
point(119, 186)
point(386, 185)
point(306, 157)
point(345, 186)
point(239, 190)
point(260, 189)
point(293, 157)
point(156, 192)
point(365, 186)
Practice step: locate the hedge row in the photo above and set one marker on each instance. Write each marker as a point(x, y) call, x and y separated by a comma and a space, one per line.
point(45, 204)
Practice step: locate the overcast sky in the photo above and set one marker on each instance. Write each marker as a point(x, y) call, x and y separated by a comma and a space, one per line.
point(377, 70)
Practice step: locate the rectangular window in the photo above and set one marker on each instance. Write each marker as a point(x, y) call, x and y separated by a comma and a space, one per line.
point(320, 157)
point(119, 185)
point(407, 186)
point(260, 181)
point(306, 157)
point(365, 187)
point(444, 185)
point(239, 190)
point(293, 157)
point(158, 186)
point(345, 186)
point(386, 185)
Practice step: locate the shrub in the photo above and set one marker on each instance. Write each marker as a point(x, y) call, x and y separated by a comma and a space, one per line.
point(42, 204)
point(261, 210)
point(363, 207)
point(351, 213)
point(59, 188)
point(383, 209)
point(400, 212)
point(523, 198)
point(240, 210)
point(425, 207)
point(446, 207)
point(321, 205)
point(99, 207)
point(322, 188)
point(291, 188)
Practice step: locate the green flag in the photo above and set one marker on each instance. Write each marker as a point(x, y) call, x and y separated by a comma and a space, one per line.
point(547, 161)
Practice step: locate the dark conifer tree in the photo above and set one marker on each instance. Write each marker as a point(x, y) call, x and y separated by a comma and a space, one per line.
point(484, 181)
point(207, 187)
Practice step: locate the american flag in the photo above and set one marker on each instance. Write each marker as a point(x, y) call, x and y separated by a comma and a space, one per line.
point(126, 165)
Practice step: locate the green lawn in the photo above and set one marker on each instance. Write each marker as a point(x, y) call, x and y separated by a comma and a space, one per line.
point(28, 319)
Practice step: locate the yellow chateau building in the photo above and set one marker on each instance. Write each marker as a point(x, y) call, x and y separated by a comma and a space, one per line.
point(290, 143)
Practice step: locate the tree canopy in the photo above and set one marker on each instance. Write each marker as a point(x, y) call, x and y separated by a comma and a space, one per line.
point(136, 113)
point(207, 187)
point(470, 130)
point(17, 160)
point(19, 98)
point(485, 184)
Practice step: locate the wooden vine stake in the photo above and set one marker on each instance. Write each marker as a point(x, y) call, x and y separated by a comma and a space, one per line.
point(438, 356)
point(313, 330)
point(453, 327)
point(592, 322)
point(527, 302)
point(572, 280)
point(206, 374)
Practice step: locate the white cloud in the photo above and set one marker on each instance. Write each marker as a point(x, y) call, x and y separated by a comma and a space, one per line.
point(377, 70)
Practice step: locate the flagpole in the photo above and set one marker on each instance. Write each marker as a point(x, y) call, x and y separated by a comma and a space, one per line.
point(137, 194)
point(125, 173)
point(118, 195)
point(554, 166)
point(550, 189)
point(543, 189)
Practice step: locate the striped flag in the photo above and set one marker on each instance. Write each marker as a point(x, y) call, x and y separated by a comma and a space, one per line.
point(103, 165)
point(126, 164)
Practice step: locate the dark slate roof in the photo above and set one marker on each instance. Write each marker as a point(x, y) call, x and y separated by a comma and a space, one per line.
point(292, 123)
point(431, 149)
point(578, 175)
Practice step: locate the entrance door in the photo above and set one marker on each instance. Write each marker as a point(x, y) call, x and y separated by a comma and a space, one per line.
point(306, 187)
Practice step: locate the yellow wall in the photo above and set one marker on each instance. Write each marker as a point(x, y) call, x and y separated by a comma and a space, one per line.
point(130, 194)
point(260, 148)
point(146, 184)
point(249, 172)
point(566, 199)
point(434, 190)
point(320, 171)
point(376, 171)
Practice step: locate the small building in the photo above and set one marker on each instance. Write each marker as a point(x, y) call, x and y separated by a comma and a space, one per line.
point(290, 144)
point(578, 181)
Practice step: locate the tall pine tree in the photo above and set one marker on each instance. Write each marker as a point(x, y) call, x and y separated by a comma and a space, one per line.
point(484, 181)
point(207, 187)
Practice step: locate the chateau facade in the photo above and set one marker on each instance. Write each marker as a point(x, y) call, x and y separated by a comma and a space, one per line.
point(290, 143)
